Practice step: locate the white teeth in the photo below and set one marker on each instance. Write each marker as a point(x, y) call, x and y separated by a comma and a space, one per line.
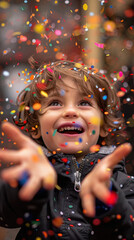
point(70, 128)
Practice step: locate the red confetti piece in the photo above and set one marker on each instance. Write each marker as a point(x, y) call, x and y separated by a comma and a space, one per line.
point(112, 198)
point(96, 222)
point(64, 160)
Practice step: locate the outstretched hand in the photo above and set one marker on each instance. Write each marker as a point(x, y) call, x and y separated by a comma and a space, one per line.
point(29, 159)
point(96, 184)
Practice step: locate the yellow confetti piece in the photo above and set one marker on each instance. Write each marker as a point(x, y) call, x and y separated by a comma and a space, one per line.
point(79, 151)
point(38, 238)
point(96, 120)
point(4, 4)
point(39, 28)
point(76, 143)
point(16, 33)
point(85, 7)
point(12, 112)
point(40, 151)
point(58, 187)
point(85, 78)
point(43, 93)
point(36, 106)
point(21, 107)
point(78, 65)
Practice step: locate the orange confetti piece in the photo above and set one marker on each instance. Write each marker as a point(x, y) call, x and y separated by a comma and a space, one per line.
point(45, 234)
point(35, 158)
point(94, 148)
point(36, 106)
point(57, 222)
point(31, 77)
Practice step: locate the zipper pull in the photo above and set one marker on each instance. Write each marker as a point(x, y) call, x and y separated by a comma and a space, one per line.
point(77, 184)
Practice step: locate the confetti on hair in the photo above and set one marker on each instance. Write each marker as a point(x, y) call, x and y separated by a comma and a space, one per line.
point(36, 106)
point(50, 70)
point(43, 93)
point(85, 78)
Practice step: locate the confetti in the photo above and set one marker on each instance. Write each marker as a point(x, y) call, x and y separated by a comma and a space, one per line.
point(36, 106)
point(57, 222)
point(54, 132)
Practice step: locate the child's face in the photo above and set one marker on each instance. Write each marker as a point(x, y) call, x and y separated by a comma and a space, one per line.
point(70, 122)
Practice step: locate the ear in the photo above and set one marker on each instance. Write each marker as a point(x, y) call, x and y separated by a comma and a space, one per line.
point(103, 132)
point(36, 135)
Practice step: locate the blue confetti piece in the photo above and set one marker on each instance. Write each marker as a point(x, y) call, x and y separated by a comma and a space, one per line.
point(104, 97)
point(62, 92)
point(116, 122)
point(24, 178)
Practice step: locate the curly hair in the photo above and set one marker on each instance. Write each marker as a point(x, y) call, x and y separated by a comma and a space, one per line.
point(89, 81)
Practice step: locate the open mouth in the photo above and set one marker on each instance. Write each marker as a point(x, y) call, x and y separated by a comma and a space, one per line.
point(71, 130)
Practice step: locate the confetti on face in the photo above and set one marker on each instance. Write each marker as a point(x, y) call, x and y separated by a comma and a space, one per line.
point(62, 92)
point(54, 132)
point(35, 158)
point(95, 120)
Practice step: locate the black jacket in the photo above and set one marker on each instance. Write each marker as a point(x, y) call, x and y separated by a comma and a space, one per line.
point(39, 219)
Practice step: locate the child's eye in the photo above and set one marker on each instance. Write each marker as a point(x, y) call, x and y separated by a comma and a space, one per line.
point(85, 103)
point(54, 103)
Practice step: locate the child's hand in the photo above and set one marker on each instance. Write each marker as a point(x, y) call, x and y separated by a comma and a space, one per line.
point(96, 183)
point(29, 160)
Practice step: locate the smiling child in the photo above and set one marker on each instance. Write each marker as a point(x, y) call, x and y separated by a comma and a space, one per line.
point(70, 182)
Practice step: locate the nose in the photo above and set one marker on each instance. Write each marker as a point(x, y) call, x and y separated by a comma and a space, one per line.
point(71, 113)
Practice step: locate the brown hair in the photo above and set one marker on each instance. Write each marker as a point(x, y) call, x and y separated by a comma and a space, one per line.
point(89, 81)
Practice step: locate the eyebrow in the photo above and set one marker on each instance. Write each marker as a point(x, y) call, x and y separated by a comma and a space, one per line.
point(57, 94)
point(54, 94)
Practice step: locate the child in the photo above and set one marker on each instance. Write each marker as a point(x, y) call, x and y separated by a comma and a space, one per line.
point(75, 190)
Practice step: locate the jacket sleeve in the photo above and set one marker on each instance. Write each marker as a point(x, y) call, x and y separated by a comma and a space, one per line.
point(118, 221)
point(13, 210)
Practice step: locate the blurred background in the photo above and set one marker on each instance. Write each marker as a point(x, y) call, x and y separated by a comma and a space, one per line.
point(99, 33)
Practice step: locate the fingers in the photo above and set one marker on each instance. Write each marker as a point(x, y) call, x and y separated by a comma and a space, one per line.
point(30, 188)
point(12, 173)
point(9, 156)
point(49, 181)
point(15, 134)
point(120, 152)
point(88, 204)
